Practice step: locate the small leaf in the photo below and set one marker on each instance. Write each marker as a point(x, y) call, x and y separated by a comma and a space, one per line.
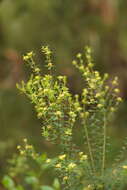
point(56, 184)
point(8, 182)
point(31, 180)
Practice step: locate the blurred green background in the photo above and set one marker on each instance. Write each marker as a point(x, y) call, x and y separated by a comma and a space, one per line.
point(66, 26)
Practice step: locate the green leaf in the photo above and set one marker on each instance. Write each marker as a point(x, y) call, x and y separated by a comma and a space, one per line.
point(8, 182)
point(56, 184)
point(31, 180)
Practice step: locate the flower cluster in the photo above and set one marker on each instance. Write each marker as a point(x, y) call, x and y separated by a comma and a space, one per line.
point(27, 150)
point(63, 114)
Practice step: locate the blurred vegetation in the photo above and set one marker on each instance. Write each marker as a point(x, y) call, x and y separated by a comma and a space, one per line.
point(66, 27)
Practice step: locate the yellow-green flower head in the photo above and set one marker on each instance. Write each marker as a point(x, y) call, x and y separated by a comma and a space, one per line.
point(28, 147)
point(80, 153)
point(28, 56)
point(106, 87)
point(74, 62)
point(65, 178)
point(45, 90)
point(71, 166)
point(25, 140)
point(124, 167)
point(92, 85)
point(68, 132)
point(72, 114)
point(58, 165)
point(112, 109)
point(58, 113)
point(106, 75)
point(25, 57)
point(50, 65)
point(49, 127)
point(78, 109)
point(116, 90)
point(18, 147)
point(62, 157)
point(81, 68)
point(98, 95)
point(37, 77)
point(37, 70)
point(114, 82)
point(22, 152)
point(46, 50)
point(83, 157)
point(119, 99)
point(86, 114)
point(88, 49)
point(48, 160)
point(79, 55)
point(100, 105)
point(97, 74)
point(85, 91)
point(60, 77)
point(90, 65)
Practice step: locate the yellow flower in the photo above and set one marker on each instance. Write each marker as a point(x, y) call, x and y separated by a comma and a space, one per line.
point(90, 65)
point(112, 109)
point(74, 62)
point(59, 113)
point(49, 127)
point(22, 152)
point(83, 157)
point(28, 56)
point(86, 114)
point(48, 160)
point(116, 90)
point(124, 167)
point(98, 95)
point(119, 99)
point(61, 157)
point(106, 87)
point(25, 57)
point(58, 165)
point(28, 147)
point(25, 140)
point(68, 132)
point(18, 147)
point(79, 55)
point(99, 105)
point(106, 75)
point(65, 178)
point(80, 153)
point(115, 81)
point(71, 166)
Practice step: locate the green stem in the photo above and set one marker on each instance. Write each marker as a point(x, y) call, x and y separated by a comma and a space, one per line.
point(104, 145)
point(90, 149)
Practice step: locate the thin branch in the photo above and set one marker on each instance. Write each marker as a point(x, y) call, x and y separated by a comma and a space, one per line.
point(104, 145)
point(89, 148)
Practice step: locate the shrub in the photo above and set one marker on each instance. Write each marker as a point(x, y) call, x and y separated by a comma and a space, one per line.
point(62, 115)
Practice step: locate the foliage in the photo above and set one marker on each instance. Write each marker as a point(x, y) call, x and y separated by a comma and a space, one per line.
point(62, 114)
point(26, 25)
point(28, 169)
